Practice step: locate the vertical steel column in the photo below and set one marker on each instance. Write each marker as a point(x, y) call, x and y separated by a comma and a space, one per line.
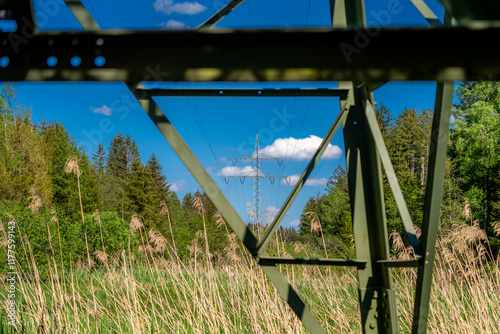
point(432, 204)
point(376, 294)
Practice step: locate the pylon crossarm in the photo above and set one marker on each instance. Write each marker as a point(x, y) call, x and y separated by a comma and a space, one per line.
point(229, 213)
point(302, 180)
point(374, 129)
point(242, 92)
point(432, 203)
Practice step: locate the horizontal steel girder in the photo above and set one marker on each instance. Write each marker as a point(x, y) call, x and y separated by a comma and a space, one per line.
point(242, 92)
point(437, 53)
point(271, 261)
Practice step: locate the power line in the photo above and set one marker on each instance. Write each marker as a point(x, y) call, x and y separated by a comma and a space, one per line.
point(154, 11)
point(300, 131)
point(287, 144)
point(249, 15)
point(95, 14)
point(166, 12)
point(203, 131)
point(308, 7)
point(390, 11)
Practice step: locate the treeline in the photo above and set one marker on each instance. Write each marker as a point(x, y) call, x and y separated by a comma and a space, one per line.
point(47, 183)
point(72, 207)
point(472, 171)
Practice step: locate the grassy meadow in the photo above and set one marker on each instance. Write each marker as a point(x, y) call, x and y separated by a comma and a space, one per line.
point(153, 293)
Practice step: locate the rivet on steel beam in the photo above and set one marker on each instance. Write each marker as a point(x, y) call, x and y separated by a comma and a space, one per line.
point(373, 324)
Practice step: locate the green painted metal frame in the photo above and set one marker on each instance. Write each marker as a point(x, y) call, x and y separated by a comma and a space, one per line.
point(365, 155)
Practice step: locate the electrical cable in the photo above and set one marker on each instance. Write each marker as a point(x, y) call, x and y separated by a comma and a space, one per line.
point(300, 131)
point(390, 11)
point(308, 8)
point(203, 132)
point(95, 14)
point(154, 11)
point(166, 12)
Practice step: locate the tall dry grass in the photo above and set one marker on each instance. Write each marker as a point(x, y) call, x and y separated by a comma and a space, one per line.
point(162, 294)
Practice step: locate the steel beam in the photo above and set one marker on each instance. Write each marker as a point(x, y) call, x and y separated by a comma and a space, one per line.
point(373, 128)
point(399, 263)
point(376, 294)
point(426, 12)
point(244, 92)
point(478, 10)
point(223, 12)
point(229, 213)
point(271, 261)
point(270, 55)
point(20, 11)
point(432, 203)
point(83, 16)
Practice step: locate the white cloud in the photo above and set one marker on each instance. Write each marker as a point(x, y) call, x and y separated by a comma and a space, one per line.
point(188, 8)
point(300, 149)
point(294, 222)
point(293, 179)
point(236, 171)
point(173, 24)
point(223, 160)
point(104, 110)
point(177, 186)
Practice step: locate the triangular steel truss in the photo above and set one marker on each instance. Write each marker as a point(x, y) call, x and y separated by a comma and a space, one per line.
point(321, 59)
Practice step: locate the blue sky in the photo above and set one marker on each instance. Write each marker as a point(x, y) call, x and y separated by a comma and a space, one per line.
point(217, 129)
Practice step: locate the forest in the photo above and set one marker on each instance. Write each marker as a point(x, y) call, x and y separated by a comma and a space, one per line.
point(89, 216)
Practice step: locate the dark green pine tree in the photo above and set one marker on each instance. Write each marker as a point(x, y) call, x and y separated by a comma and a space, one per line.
point(99, 159)
point(384, 119)
point(117, 157)
point(125, 166)
point(338, 180)
point(60, 148)
point(156, 178)
point(476, 140)
point(136, 179)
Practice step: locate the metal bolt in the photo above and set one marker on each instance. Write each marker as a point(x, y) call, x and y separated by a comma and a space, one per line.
point(376, 315)
point(373, 324)
point(375, 294)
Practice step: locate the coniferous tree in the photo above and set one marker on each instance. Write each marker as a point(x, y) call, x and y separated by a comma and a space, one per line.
point(476, 141)
point(99, 159)
point(338, 180)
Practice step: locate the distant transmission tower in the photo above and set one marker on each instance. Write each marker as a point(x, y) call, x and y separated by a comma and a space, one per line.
point(257, 174)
